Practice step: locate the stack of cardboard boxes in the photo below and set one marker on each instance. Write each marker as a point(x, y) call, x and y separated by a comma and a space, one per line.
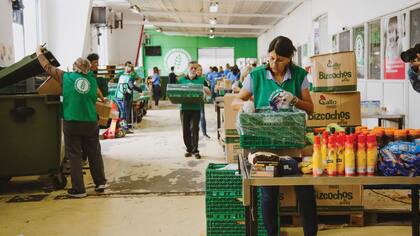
point(334, 90)
point(230, 135)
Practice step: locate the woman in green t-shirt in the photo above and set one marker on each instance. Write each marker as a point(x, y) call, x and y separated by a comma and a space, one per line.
point(260, 84)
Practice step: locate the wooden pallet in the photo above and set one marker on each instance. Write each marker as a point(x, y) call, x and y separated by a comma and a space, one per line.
point(327, 218)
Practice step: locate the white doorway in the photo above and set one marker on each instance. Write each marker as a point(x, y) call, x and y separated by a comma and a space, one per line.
point(215, 57)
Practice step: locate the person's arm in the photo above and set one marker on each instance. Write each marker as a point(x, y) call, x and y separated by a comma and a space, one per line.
point(100, 95)
point(244, 94)
point(132, 86)
point(53, 71)
point(306, 102)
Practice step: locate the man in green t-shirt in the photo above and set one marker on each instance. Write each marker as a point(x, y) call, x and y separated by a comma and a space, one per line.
point(80, 125)
point(190, 113)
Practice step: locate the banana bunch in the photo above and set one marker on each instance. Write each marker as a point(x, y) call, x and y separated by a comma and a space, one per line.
point(306, 166)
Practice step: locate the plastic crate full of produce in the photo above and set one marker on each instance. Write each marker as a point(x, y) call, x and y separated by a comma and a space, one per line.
point(185, 93)
point(272, 130)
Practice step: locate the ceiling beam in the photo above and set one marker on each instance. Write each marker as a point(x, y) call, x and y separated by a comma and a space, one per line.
point(200, 25)
point(153, 13)
point(215, 33)
point(262, 0)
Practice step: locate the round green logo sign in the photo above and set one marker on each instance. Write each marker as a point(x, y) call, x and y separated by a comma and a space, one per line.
point(179, 59)
point(82, 85)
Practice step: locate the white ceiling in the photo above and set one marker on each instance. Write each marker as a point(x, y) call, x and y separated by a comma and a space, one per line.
point(235, 18)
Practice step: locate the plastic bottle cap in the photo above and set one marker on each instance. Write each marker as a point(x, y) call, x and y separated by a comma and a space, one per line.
point(379, 132)
point(414, 132)
point(389, 131)
point(331, 140)
point(400, 133)
point(350, 139)
point(371, 139)
point(317, 140)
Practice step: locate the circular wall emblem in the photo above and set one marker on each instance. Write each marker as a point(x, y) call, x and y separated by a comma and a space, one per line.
point(178, 58)
point(82, 85)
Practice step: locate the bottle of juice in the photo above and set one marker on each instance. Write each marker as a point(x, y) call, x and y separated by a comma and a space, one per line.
point(371, 155)
point(361, 155)
point(400, 135)
point(317, 165)
point(341, 155)
point(332, 157)
point(379, 133)
point(349, 161)
point(324, 149)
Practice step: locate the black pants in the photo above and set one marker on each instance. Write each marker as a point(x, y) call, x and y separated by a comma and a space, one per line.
point(77, 134)
point(190, 129)
point(306, 204)
point(203, 120)
point(156, 94)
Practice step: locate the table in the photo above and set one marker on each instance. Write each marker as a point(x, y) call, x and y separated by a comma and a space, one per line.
point(249, 185)
point(219, 104)
point(397, 118)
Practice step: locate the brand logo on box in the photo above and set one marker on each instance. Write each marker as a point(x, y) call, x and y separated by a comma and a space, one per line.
point(324, 101)
point(335, 66)
point(330, 116)
point(335, 196)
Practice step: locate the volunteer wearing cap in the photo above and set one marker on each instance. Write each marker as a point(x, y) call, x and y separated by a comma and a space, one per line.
point(190, 113)
point(281, 73)
point(80, 121)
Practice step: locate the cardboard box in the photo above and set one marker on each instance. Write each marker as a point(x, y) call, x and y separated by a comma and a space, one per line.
point(334, 72)
point(50, 87)
point(232, 151)
point(335, 197)
point(103, 121)
point(287, 198)
point(103, 109)
point(340, 108)
point(229, 115)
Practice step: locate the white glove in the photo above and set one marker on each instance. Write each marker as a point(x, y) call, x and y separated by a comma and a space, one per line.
point(286, 98)
point(248, 107)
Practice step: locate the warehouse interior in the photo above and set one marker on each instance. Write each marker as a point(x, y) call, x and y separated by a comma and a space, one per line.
point(357, 148)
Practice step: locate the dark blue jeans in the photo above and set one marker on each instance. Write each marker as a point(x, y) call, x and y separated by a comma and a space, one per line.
point(306, 205)
point(203, 120)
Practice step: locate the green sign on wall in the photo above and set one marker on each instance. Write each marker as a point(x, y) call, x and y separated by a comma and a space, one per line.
point(179, 59)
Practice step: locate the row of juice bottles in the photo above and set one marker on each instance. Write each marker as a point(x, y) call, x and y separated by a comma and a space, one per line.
point(339, 154)
point(355, 151)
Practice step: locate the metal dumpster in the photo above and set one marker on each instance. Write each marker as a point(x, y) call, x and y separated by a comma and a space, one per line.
point(30, 127)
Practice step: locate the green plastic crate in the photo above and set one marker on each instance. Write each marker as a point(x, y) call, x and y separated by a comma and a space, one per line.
point(185, 93)
point(272, 130)
point(224, 209)
point(223, 183)
point(231, 228)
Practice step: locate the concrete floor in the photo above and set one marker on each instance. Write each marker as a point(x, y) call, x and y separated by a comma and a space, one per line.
point(154, 190)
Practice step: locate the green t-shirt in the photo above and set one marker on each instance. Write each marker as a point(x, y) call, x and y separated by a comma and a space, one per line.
point(192, 106)
point(264, 88)
point(79, 97)
point(122, 86)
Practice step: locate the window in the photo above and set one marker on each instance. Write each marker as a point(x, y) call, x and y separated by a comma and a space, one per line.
point(359, 50)
point(344, 41)
point(321, 38)
point(374, 42)
point(334, 43)
point(414, 27)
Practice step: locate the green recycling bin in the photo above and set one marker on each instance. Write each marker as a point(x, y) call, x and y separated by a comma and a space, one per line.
point(30, 128)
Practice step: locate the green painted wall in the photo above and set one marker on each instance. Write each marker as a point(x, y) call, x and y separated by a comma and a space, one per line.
point(243, 47)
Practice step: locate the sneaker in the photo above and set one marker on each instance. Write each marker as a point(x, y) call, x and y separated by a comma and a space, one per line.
point(207, 136)
point(85, 163)
point(129, 131)
point(187, 154)
point(100, 188)
point(197, 155)
point(76, 194)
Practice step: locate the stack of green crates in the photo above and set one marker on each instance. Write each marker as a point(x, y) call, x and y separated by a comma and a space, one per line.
point(224, 209)
point(185, 93)
point(272, 130)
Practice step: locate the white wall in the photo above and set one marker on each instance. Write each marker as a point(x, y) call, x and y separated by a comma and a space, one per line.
point(397, 96)
point(65, 28)
point(6, 32)
point(123, 43)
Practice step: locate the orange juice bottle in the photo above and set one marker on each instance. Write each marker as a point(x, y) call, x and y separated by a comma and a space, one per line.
point(349, 161)
point(332, 157)
point(317, 166)
point(371, 155)
point(324, 149)
point(340, 155)
point(361, 155)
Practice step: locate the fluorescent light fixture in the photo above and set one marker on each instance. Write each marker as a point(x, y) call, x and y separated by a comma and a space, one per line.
point(214, 7)
point(211, 30)
point(211, 36)
point(135, 9)
point(159, 29)
point(212, 21)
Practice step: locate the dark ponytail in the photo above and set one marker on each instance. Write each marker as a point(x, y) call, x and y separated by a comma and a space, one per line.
point(282, 46)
